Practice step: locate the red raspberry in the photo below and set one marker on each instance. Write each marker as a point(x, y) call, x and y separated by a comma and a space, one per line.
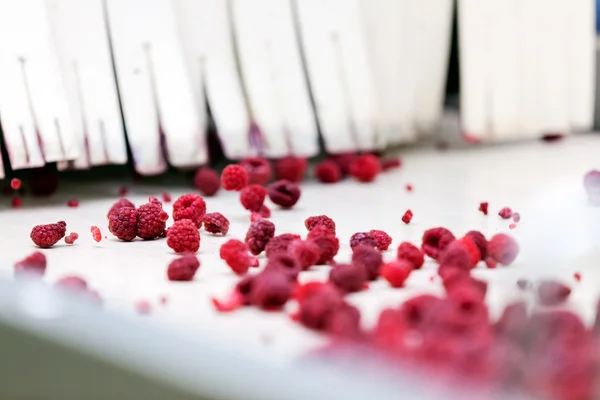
point(96, 234)
point(258, 235)
point(505, 213)
point(189, 206)
point(16, 202)
point(407, 217)
point(382, 238)
point(409, 252)
point(207, 181)
point(235, 253)
point(120, 203)
point(122, 223)
point(306, 251)
point(166, 197)
point(344, 161)
point(328, 171)
point(344, 322)
point(363, 239)
point(503, 248)
point(183, 268)
point(472, 249)
point(73, 203)
point(33, 264)
point(435, 240)
point(48, 235)
point(285, 263)
point(455, 255)
point(183, 237)
point(552, 293)
point(258, 170)
point(280, 244)
point(348, 278)
point(369, 258)
point(234, 177)
point(311, 222)
point(271, 289)
point(365, 168)
point(71, 238)
point(151, 219)
point(483, 207)
point(480, 241)
point(390, 163)
point(252, 197)
point(318, 306)
point(396, 272)
point(516, 217)
point(290, 169)
point(328, 244)
point(15, 183)
point(284, 193)
point(216, 223)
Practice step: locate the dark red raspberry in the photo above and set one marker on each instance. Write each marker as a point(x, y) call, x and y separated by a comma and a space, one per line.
point(455, 255)
point(234, 177)
point(122, 223)
point(48, 235)
point(190, 206)
point(43, 181)
point(396, 272)
point(15, 183)
point(120, 203)
point(328, 244)
point(328, 171)
point(435, 240)
point(166, 197)
point(216, 223)
point(183, 237)
point(369, 258)
point(280, 244)
point(480, 242)
point(71, 238)
point(348, 278)
point(552, 293)
point(362, 239)
point(472, 249)
point(183, 268)
point(410, 252)
point(382, 238)
point(505, 213)
point(344, 161)
point(207, 181)
point(73, 203)
point(258, 235)
point(318, 306)
point(271, 289)
point(33, 264)
point(290, 169)
point(284, 193)
point(524, 284)
point(407, 217)
point(311, 222)
point(252, 197)
point(151, 219)
point(96, 234)
point(235, 253)
point(483, 207)
point(285, 263)
point(503, 248)
point(258, 170)
point(390, 163)
point(306, 251)
point(365, 168)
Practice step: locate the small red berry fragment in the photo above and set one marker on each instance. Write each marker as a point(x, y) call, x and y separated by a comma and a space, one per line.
point(396, 272)
point(382, 238)
point(328, 171)
point(362, 239)
point(512, 226)
point(348, 278)
point(311, 222)
point(264, 212)
point(183, 268)
point(122, 223)
point(71, 238)
point(284, 193)
point(183, 237)
point(258, 170)
point(503, 248)
point(120, 203)
point(491, 263)
point(306, 251)
point(253, 197)
point(369, 258)
point(327, 242)
point(96, 234)
point(151, 219)
point(190, 206)
point(552, 293)
point(207, 181)
point(290, 169)
point(365, 168)
point(390, 163)
point(483, 207)
point(409, 187)
point(505, 213)
point(280, 244)
point(577, 276)
point(48, 235)
point(16, 202)
point(234, 177)
point(436, 240)
point(15, 183)
point(33, 264)
point(409, 252)
point(516, 217)
point(166, 197)
point(216, 223)
point(73, 203)
point(258, 235)
point(407, 217)
point(143, 307)
point(123, 191)
point(235, 253)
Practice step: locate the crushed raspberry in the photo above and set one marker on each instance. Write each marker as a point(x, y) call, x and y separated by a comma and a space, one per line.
point(48, 235)
point(552, 293)
point(291, 169)
point(280, 244)
point(327, 242)
point(577, 276)
point(505, 213)
point(71, 238)
point(216, 223)
point(344, 161)
point(252, 197)
point(122, 223)
point(369, 258)
point(390, 163)
point(490, 263)
point(455, 255)
point(16, 202)
point(271, 289)
point(512, 226)
point(258, 235)
point(472, 248)
point(328, 171)
point(503, 248)
point(189, 206)
point(480, 242)
point(365, 168)
point(235, 253)
point(396, 272)
point(258, 170)
point(234, 177)
point(15, 183)
point(120, 203)
point(409, 252)
point(183, 268)
point(483, 207)
point(311, 222)
point(143, 307)
point(436, 240)
point(123, 191)
point(407, 217)
point(516, 217)
point(151, 219)
point(166, 197)
point(362, 238)
point(96, 234)
point(73, 203)
point(306, 251)
point(348, 278)
point(207, 181)
point(284, 193)
point(183, 237)
point(382, 238)
point(408, 187)
point(33, 264)
point(285, 263)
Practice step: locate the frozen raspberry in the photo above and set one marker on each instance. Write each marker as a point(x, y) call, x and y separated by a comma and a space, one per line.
point(503, 248)
point(71, 238)
point(455, 255)
point(280, 244)
point(328, 244)
point(472, 248)
point(362, 239)
point(383, 239)
point(33, 264)
point(291, 169)
point(190, 206)
point(480, 242)
point(166, 197)
point(207, 181)
point(328, 171)
point(396, 272)
point(122, 223)
point(505, 213)
point(258, 170)
point(48, 235)
point(15, 183)
point(311, 222)
point(407, 217)
point(365, 168)
point(183, 237)
point(151, 219)
point(258, 235)
point(271, 289)
point(234, 177)
point(284, 193)
point(120, 203)
point(73, 203)
point(552, 293)
point(16, 202)
point(348, 278)
point(390, 163)
point(369, 258)
point(490, 263)
point(409, 252)
point(344, 161)
point(285, 263)
point(235, 254)
point(318, 306)
point(516, 217)
point(73, 283)
point(306, 251)
point(183, 268)
point(435, 240)
point(483, 207)
point(252, 197)
point(96, 234)
point(216, 223)
point(240, 296)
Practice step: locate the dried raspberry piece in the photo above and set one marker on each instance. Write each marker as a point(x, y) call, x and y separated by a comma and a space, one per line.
point(382, 238)
point(143, 307)
point(264, 212)
point(284, 193)
point(189, 206)
point(122, 223)
point(71, 238)
point(166, 197)
point(234, 177)
point(348, 278)
point(306, 251)
point(503, 248)
point(207, 181)
point(216, 223)
point(512, 226)
point(480, 242)
point(436, 240)
point(455, 255)
point(328, 244)
point(407, 217)
point(183, 237)
point(285, 263)
point(258, 170)
point(505, 213)
point(280, 244)
point(16, 202)
point(365, 168)
point(516, 217)
point(328, 171)
point(318, 306)
point(362, 238)
point(120, 203)
point(33, 264)
point(96, 234)
point(151, 219)
point(258, 235)
point(344, 161)
point(577, 276)
point(390, 163)
point(471, 247)
point(271, 289)
point(252, 197)
point(490, 263)
point(183, 268)
point(344, 322)
point(235, 253)
point(369, 258)
point(48, 235)
point(291, 169)
point(409, 252)
point(73, 203)
point(396, 272)
point(483, 207)
point(15, 183)
point(552, 293)
point(311, 222)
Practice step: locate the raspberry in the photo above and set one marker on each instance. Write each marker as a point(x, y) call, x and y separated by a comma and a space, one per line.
point(120, 203)
point(183, 237)
point(271, 289)
point(235, 253)
point(552, 293)
point(71, 238)
point(15, 183)
point(344, 161)
point(43, 181)
point(252, 197)
point(483, 207)
point(306, 251)
point(516, 217)
point(503, 248)
point(407, 217)
point(258, 235)
point(33, 264)
point(362, 239)
point(328, 171)
point(311, 222)
point(258, 170)
point(48, 235)
point(390, 163)
point(490, 263)
point(505, 213)
point(396, 272)
point(409, 252)
point(369, 258)
point(348, 278)
point(436, 240)
point(151, 219)
point(480, 242)
point(291, 169)
point(216, 223)
point(280, 244)
point(16, 202)
point(73, 203)
point(284, 193)
point(328, 244)
point(455, 255)
point(207, 181)
point(577, 276)
point(234, 177)
point(365, 168)
point(383, 239)
point(183, 268)
point(344, 321)
point(285, 263)
point(189, 206)
point(472, 249)
point(166, 197)
point(318, 306)
point(122, 223)
point(96, 234)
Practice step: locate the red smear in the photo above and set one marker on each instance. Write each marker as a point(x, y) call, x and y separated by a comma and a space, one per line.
point(163, 300)
point(96, 234)
point(516, 217)
point(390, 163)
point(407, 217)
point(470, 138)
point(15, 183)
point(73, 203)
